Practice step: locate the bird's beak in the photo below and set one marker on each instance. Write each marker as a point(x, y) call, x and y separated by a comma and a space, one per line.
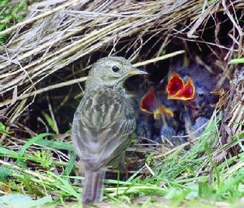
point(175, 84)
point(187, 92)
point(162, 111)
point(149, 102)
point(137, 72)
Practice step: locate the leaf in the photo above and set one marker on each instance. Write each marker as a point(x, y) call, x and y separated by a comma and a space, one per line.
point(20, 200)
point(3, 129)
point(55, 144)
point(32, 141)
point(50, 121)
point(26, 146)
point(237, 61)
point(9, 153)
point(4, 172)
point(70, 164)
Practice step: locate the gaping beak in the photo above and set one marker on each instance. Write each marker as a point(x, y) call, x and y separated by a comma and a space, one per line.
point(187, 92)
point(136, 72)
point(175, 84)
point(149, 102)
point(162, 111)
point(150, 105)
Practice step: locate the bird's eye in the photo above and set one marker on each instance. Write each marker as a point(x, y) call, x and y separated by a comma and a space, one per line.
point(201, 95)
point(115, 69)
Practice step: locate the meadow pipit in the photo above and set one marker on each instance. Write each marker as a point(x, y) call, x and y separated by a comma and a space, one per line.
point(103, 122)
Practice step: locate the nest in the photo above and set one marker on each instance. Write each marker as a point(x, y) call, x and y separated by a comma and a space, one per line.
point(43, 64)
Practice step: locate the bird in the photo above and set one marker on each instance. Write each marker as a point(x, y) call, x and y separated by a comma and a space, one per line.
point(203, 83)
point(103, 122)
point(150, 104)
point(180, 104)
point(161, 117)
point(198, 100)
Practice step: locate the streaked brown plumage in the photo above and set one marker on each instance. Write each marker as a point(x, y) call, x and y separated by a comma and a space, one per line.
point(103, 122)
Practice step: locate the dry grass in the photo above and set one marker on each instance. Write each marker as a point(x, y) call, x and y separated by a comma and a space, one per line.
point(57, 33)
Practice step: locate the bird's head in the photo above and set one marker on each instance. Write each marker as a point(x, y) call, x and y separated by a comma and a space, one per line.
point(111, 72)
point(149, 104)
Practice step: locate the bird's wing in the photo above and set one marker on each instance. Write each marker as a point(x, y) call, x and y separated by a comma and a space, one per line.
point(101, 127)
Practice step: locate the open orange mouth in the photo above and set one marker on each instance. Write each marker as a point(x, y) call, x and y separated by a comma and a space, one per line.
point(177, 89)
point(149, 104)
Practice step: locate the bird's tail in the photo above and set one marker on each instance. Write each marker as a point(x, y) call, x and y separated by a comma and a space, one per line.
point(92, 189)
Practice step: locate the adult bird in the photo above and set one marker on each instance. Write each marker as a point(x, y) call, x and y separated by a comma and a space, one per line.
point(103, 122)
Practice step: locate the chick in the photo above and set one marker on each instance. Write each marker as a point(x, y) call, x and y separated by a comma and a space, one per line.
point(197, 101)
point(163, 116)
point(204, 83)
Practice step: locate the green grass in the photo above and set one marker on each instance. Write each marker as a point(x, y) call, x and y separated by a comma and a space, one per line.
point(45, 169)
point(10, 14)
point(237, 61)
